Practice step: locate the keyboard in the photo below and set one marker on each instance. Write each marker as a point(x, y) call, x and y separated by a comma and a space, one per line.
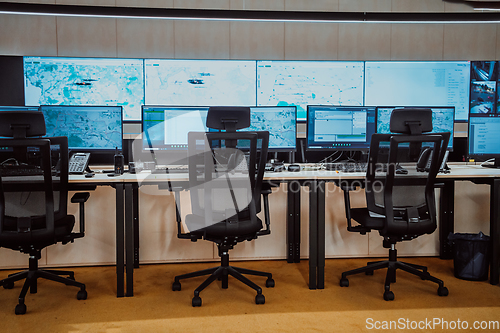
point(20, 170)
point(170, 170)
point(346, 166)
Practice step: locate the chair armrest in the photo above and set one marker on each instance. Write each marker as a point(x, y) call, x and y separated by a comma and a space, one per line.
point(80, 198)
point(347, 202)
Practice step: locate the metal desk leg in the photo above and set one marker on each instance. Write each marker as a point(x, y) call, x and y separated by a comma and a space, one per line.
point(446, 218)
point(317, 234)
point(321, 195)
point(129, 239)
point(293, 222)
point(495, 230)
point(119, 240)
point(135, 194)
point(313, 233)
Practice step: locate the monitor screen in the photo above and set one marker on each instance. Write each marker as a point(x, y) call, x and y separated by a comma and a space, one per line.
point(483, 87)
point(166, 128)
point(484, 136)
point(85, 81)
point(340, 127)
point(300, 83)
point(281, 123)
point(199, 82)
point(88, 128)
point(419, 83)
point(442, 119)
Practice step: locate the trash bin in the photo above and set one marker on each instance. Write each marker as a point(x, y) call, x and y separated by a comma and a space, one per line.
point(470, 255)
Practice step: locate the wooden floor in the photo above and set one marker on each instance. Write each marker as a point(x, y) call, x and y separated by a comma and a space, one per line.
point(290, 306)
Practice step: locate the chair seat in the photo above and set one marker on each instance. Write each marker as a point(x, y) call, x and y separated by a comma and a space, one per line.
point(240, 228)
point(63, 228)
point(362, 216)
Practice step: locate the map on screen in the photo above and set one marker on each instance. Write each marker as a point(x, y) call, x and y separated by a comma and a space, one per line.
point(301, 83)
point(87, 127)
point(85, 81)
point(200, 82)
point(280, 122)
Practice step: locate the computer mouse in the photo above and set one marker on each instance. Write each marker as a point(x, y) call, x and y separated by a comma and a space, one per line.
point(89, 175)
point(293, 168)
point(401, 171)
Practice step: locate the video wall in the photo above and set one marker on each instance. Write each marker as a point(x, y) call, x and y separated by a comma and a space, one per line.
point(131, 83)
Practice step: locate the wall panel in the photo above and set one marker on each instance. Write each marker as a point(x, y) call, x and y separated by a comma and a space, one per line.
point(358, 41)
point(469, 42)
point(145, 38)
point(257, 40)
point(311, 41)
point(201, 40)
point(28, 35)
point(417, 41)
point(86, 37)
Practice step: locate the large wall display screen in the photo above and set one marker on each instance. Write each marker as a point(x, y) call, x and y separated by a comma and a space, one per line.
point(85, 81)
point(419, 83)
point(200, 82)
point(299, 83)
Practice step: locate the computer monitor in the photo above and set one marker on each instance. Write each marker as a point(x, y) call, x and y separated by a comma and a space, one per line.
point(339, 127)
point(442, 119)
point(199, 82)
point(419, 83)
point(166, 128)
point(300, 83)
point(484, 138)
point(95, 129)
point(85, 81)
point(280, 121)
point(483, 87)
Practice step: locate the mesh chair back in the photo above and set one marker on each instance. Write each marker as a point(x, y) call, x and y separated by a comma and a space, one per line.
point(225, 178)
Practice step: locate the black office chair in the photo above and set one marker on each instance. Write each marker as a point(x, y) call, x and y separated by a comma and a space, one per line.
point(225, 181)
point(399, 207)
point(33, 198)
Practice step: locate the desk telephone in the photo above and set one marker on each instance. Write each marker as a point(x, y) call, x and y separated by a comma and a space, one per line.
point(78, 163)
point(425, 159)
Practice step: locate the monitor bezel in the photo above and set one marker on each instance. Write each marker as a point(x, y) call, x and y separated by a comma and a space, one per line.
point(99, 151)
point(420, 107)
point(366, 144)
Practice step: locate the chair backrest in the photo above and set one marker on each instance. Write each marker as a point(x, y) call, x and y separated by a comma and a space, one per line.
point(406, 202)
point(31, 204)
point(225, 181)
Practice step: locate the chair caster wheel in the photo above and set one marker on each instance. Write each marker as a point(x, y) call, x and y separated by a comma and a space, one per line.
point(369, 273)
point(176, 286)
point(389, 296)
point(443, 291)
point(8, 285)
point(20, 309)
point(260, 299)
point(196, 301)
point(82, 294)
point(344, 282)
point(269, 283)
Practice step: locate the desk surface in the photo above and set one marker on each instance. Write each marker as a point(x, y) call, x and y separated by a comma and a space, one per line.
point(457, 171)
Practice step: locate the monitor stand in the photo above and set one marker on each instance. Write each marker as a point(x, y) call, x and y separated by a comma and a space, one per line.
point(496, 164)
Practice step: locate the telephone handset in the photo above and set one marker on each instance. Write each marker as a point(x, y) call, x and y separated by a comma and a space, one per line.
point(425, 159)
point(78, 163)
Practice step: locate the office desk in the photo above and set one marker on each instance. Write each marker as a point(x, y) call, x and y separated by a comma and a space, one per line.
point(127, 212)
point(81, 183)
point(318, 179)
